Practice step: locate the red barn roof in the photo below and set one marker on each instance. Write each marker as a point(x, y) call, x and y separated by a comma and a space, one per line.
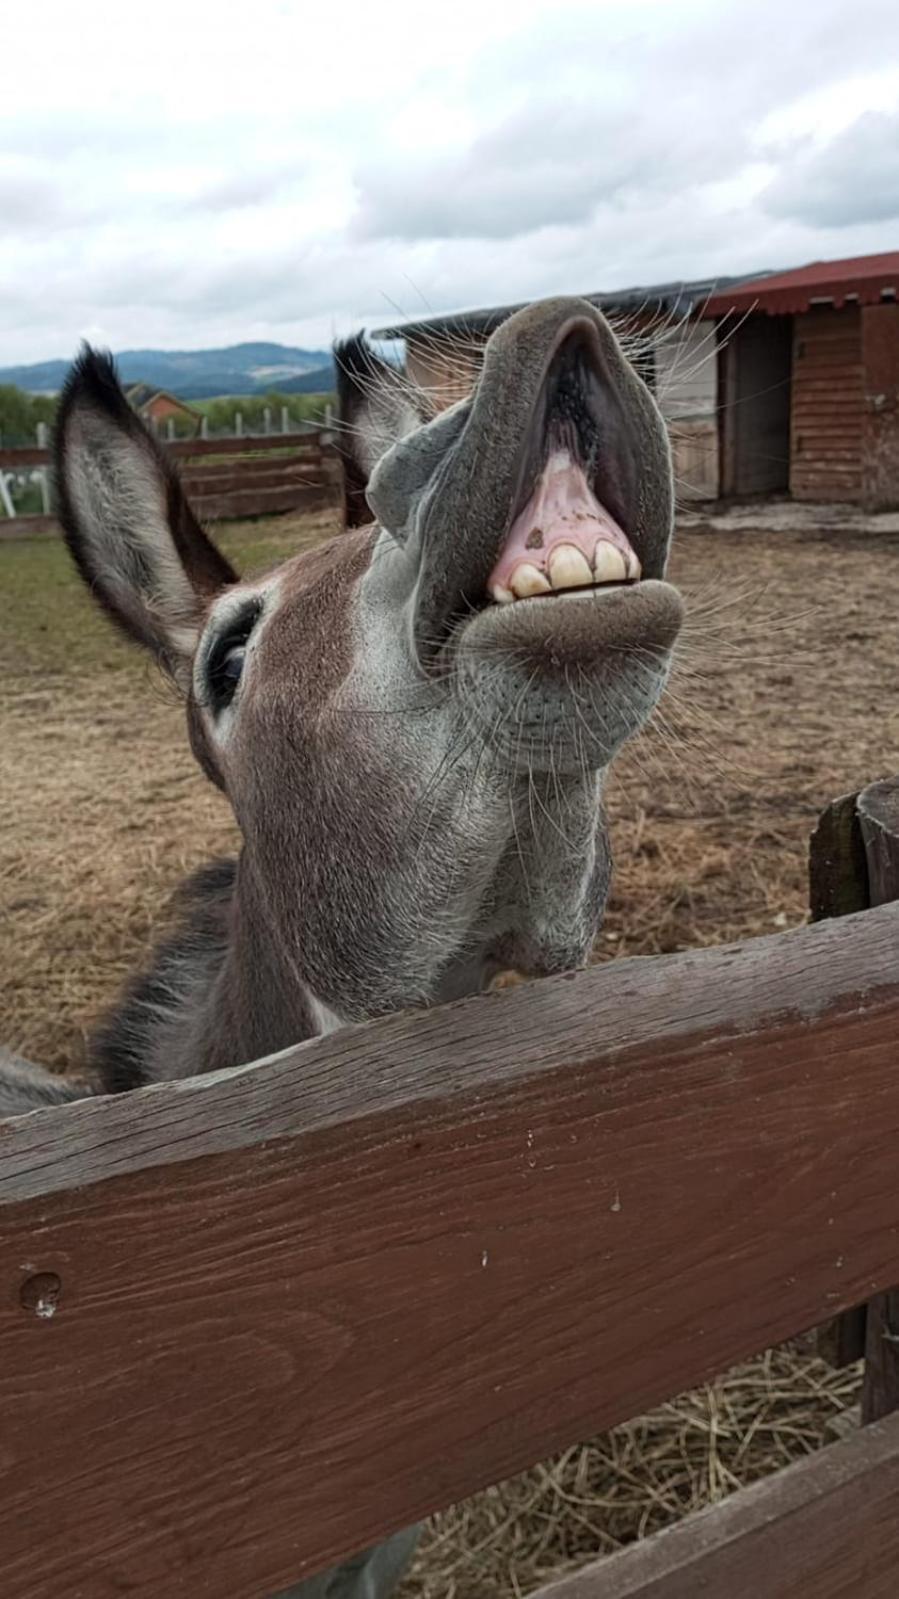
point(864, 280)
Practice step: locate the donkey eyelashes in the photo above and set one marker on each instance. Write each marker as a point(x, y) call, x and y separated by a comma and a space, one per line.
point(223, 657)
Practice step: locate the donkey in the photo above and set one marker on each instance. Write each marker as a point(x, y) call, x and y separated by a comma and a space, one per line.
point(411, 722)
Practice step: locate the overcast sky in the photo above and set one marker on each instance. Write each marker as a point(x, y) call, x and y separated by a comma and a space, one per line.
point(193, 172)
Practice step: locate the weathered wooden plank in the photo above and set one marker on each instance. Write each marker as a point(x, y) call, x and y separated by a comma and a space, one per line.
point(838, 867)
point(28, 527)
point(826, 1528)
point(251, 470)
point(838, 886)
point(251, 466)
point(445, 1244)
point(183, 449)
point(878, 811)
point(265, 501)
point(15, 456)
point(309, 490)
point(302, 475)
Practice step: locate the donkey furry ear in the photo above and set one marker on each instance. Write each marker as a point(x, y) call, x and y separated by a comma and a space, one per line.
point(377, 404)
point(126, 520)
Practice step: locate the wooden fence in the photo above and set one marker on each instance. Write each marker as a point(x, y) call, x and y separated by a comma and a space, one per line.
point(226, 477)
point(252, 1321)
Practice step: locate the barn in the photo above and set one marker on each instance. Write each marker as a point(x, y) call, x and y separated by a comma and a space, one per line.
point(809, 378)
point(157, 406)
point(672, 343)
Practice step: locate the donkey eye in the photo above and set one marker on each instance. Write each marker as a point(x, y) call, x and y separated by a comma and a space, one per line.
point(232, 665)
point(225, 661)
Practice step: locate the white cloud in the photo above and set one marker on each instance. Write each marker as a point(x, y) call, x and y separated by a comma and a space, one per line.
point(203, 174)
point(849, 179)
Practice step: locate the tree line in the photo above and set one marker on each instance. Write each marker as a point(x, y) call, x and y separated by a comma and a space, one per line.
point(20, 412)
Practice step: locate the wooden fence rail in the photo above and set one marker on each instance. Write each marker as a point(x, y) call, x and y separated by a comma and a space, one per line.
point(253, 1321)
point(825, 1528)
point(230, 477)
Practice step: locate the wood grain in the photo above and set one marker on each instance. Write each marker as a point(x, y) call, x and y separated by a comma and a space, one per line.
point(838, 886)
point(251, 1322)
point(838, 867)
point(264, 501)
point(878, 812)
point(29, 527)
point(826, 425)
point(246, 444)
point(826, 1528)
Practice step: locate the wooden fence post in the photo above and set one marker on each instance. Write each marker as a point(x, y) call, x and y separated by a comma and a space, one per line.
point(43, 443)
point(853, 865)
point(878, 814)
point(285, 419)
point(5, 497)
point(204, 427)
point(838, 886)
point(238, 424)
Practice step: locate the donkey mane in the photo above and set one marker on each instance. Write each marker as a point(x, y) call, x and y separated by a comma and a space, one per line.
point(183, 963)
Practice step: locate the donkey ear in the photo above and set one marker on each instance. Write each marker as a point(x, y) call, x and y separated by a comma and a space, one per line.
point(126, 521)
point(376, 405)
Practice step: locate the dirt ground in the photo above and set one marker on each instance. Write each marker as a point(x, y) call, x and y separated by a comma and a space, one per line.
point(786, 694)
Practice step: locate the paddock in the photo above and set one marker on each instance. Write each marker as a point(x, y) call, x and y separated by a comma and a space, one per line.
point(788, 695)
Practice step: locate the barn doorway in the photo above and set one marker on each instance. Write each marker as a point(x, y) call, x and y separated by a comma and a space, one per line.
point(756, 416)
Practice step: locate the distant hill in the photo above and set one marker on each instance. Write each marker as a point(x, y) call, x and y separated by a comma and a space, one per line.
point(200, 374)
point(320, 381)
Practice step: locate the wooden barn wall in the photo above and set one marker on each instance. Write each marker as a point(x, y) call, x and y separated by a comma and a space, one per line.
point(446, 367)
point(827, 414)
point(686, 374)
point(880, 434)
point(757, 354)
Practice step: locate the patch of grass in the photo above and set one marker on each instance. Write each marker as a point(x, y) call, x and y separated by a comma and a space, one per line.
point(51, 627)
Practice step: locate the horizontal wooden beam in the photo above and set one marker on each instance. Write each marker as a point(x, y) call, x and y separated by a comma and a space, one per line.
point(15, 457)
point(244, 444)
point(266, 500)
point(28, 527)
point(252, 474)
point(826, 1528)
point(252, 1321)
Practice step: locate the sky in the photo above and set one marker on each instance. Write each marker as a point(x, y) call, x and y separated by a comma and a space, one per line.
point(191, 173)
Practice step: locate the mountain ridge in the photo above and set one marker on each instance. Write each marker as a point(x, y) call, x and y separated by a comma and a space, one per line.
point(248, 368)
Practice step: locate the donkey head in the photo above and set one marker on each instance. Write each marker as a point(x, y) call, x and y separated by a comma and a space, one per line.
point(412, 721)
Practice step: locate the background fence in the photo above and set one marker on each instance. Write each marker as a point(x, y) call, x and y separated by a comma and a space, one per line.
point(236, 475)
point(252, 1321)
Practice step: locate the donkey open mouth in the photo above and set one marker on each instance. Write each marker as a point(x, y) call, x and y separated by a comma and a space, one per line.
point(536, 517)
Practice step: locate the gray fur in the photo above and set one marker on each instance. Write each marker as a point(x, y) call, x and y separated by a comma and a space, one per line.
point(25, 1087)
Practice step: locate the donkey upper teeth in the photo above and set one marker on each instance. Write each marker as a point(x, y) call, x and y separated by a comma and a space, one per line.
point(609, 564)
point(527, 580)
point(568, 568)
point(503, 596)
